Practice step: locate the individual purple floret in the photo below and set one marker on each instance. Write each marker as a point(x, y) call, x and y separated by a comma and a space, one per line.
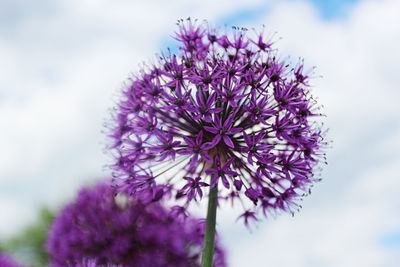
point(100, 228)
point(7, 261)
point(225, 106)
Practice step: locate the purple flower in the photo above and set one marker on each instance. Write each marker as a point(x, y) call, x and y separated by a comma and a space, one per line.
point(8, 261)
point(221, 172)
point(101, 228)
point(248, 216)
point(225, 106)
point(255, 146)
point(256, 108)
point(166, 146)
point(193, 188)
point(222, 131)
point(195, 147)
point(204, 108)
point(230, 95)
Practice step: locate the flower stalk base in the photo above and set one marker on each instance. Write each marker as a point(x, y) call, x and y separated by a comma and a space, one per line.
point(209, 238)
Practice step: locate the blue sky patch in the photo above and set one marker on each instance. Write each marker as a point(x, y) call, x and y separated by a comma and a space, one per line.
point(328, 9)
point(391, 239)
point(170, 43)
point(331, 9)
point(243, 16)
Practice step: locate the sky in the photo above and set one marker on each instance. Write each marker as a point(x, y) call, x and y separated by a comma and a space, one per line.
point(63, 63)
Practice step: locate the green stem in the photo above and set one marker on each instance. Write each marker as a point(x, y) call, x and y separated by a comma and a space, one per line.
point(209, 238)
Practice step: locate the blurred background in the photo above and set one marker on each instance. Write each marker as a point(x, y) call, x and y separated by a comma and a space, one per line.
point(62, 64)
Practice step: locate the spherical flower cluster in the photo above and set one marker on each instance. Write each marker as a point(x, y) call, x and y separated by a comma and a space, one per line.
point(224, 111)
point(102, 229)
point(7, 261)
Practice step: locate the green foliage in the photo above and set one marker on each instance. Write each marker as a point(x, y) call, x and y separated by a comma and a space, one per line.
point(28, 246)
point(2, 247)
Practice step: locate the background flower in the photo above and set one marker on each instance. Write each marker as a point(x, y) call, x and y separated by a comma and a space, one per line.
point(121, 231)
point(8, 261)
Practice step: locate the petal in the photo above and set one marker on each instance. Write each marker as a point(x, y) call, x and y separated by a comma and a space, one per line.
point(186, 151)
point(238, 184)
point(233, 103)
point(208, 118)
point(211, 172)
point(163, 157)
point(264, 147)
point(205, 156)
point(216, 110)
point(259, 137)
point(199, 98)
point(211, 129)
point(234, 130)
point(246, 138)
point(200, 193)
point(203, 184)
point(211, 99)
point(190, 195)
point(217, 121)
point(217, 90)
point(197, 116)
point(238, 97)
point(187, 178)
point(188, 141)
point(191, 108)
point(227, 163)
point(225, 181)
point(232, 173)
point(250, 158)
point(216, 140)
point(176, 143)
point(217, 162)
point(199, 137)
point(214, 181)
point(229, 120)
point(194, 159)
point(228, 141)
point(208, 146)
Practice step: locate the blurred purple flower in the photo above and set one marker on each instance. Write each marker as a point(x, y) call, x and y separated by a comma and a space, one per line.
point(103, 229)
point(7, 261)
point(247, 216)
point(225, 106)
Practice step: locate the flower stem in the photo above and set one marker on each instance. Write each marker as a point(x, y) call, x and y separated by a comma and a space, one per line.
point(209, 238)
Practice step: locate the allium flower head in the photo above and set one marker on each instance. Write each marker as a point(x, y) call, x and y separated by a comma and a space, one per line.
point(8, 261)
point(101, 229)
point(225, 106)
